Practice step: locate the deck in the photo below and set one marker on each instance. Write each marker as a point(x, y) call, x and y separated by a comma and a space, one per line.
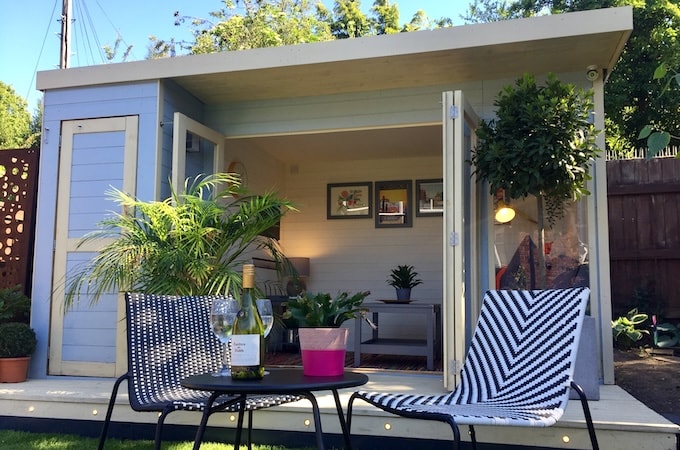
point(621, 421)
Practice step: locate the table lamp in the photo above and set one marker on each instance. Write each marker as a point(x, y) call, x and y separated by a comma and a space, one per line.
point(296, 283)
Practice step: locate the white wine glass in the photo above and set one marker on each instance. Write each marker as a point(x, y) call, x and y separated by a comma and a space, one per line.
point(222, 315)
point(264, 307)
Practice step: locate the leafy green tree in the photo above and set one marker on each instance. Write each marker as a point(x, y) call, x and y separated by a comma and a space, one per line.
point(386, 17)
point(635, 98)
point(347, 20)
point(15, 120)
point(657, 139)
point(247, 24)
point(192, 243)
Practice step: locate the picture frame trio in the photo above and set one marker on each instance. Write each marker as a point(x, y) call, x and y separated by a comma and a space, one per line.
point(392, 201)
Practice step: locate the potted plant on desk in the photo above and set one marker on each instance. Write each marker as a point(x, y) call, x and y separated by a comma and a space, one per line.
point(404, 278)
point(323, 342)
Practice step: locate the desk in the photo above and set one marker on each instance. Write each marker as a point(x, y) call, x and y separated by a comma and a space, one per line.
point(411, 347)
point(278, 381)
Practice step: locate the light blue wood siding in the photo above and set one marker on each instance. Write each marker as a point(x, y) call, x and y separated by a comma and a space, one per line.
point(96, 167)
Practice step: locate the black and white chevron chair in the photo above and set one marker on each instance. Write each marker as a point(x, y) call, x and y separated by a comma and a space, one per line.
point(169, 339)
point(518, 369)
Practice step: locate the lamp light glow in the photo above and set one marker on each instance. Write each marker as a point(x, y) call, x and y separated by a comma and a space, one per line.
point(504, 213)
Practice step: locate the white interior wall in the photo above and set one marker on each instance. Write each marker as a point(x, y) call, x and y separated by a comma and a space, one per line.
point(352, 254)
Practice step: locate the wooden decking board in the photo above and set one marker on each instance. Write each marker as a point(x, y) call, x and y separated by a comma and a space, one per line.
point(621, 421)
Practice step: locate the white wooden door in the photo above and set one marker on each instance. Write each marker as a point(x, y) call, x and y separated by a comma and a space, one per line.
point(95, 155)
point(196, 149)
point(460, 306)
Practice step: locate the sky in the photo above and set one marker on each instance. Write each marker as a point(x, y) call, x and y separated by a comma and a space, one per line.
point(29, 31)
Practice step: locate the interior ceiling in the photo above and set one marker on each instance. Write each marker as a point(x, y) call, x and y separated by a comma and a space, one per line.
point(437, 68)
point(351, 75)
point(356, 145)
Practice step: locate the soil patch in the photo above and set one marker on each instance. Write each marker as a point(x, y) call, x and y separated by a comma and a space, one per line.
point(654, 379)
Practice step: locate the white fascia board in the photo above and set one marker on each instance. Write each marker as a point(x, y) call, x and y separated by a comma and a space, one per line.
point(418, 42)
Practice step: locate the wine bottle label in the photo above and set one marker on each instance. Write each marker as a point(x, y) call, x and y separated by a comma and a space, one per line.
point(245, 350)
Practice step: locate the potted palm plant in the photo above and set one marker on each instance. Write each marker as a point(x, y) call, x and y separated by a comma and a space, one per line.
point(193, 243)
point(404, 278)
point(323, 342)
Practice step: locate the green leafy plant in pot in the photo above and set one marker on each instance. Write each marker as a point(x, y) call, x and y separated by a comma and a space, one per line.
point(17, 344)
point(404, 278)
point(323, 341)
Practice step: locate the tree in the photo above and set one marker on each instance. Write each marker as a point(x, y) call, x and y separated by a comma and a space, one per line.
point(633, 96)
point(15, 120)
point(658, 139)
point(247, 24)
point(541, 143)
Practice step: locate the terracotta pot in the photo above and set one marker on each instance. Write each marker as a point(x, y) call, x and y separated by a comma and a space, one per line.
point(323, 351)
point(14, 370)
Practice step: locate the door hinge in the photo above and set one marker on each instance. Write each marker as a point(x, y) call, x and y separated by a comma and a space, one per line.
point(453, 112)
point(454, 239)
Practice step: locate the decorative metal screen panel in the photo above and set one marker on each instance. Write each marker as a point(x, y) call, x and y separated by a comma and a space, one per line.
point(18, 188)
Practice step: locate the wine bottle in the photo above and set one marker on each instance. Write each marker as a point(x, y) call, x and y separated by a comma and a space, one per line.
point(247, 339)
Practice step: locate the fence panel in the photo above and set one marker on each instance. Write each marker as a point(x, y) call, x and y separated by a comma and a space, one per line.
point(644, 235)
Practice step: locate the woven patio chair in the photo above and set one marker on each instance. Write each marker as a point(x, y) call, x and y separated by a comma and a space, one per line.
point(518, 369)
point(170, 338)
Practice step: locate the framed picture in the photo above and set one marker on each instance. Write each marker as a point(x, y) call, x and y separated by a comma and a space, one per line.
point(349, 200)
point(430, 197)
point(393, 204)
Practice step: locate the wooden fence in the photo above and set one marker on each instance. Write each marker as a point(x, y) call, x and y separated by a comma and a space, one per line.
point(644, 235)
point(18, 194)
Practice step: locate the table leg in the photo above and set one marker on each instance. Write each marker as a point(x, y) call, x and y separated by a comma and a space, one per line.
point(239, 422)
point(431, 319)
point(204, 421)
point(317, 419)
point(343, 423)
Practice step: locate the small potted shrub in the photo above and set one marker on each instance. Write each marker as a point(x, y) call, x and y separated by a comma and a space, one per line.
point(323, 342)
point(17, 344)
point(404, 278)
point(15, 306)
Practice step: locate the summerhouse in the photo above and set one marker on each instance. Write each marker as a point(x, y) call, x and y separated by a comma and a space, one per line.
point(391, 118)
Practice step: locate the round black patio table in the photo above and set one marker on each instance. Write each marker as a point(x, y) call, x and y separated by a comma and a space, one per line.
point(277, 381)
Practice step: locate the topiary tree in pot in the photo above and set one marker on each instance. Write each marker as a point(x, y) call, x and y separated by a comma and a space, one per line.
point(17, 344)
point(541, 143)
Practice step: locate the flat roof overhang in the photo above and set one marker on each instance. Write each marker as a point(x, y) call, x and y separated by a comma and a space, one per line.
point(557, 43)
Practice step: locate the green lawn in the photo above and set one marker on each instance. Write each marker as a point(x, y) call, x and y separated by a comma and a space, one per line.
point(20, 440)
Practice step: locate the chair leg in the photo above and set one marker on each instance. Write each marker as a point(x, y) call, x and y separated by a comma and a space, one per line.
point(586, 413)
point(109, 410)
point(473, 436)
point(159, 428)
point(456, 432)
